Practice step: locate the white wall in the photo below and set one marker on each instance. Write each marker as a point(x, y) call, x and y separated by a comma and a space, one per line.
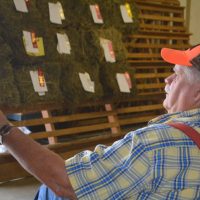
point(183, 2)
point(194, 19)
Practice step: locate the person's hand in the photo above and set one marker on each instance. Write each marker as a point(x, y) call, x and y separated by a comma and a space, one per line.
point(3, 119)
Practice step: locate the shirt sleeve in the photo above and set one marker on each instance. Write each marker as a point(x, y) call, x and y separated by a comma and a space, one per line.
point(114, 172)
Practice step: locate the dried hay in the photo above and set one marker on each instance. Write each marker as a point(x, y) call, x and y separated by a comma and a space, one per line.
point(9, 93)
point(116, 17)
point(71, 84)
point(90, 44)
point(80, 14)
point(13, 23)
point(52, 72)
point(109, 81)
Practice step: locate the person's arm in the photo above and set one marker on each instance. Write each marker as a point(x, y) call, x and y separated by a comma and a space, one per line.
point(39, 161)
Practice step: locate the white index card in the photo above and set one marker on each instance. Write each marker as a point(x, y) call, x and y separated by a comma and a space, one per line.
point(54, 13)
point(87, 84)
point(28, 43)
point(96, 15)
point(63, 46)
point(122, 82)
point(108, 50)
point(20, 5)
point(36, 85)
point(125, 16)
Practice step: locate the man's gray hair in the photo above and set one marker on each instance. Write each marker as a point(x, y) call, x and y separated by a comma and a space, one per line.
point(192, 73)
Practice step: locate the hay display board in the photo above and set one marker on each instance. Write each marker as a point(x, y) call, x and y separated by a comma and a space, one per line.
point(61, 38)
point(90, 44)
point(51, 45)
point(6, 52)
point(12, 25)
point(108, 11)
point(116, 15)
point(26, 89)
point(9, 92)
point(72, 87)
point(8, 86)
point(68, 14)
point(82, 15)
point(110, 84)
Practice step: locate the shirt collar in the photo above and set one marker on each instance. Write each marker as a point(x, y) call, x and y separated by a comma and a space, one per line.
point(185, 116)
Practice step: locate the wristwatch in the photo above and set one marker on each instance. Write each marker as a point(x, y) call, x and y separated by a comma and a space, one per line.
point(4, 130)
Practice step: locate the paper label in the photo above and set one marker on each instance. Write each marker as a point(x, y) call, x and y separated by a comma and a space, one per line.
point(27, 36)
point(40, 44)
point(39, 83)
point(21, 5)
point(34, 46)
point(87, 84)
point(41, 78)
point(128, 78)
point(61, 11)
point(96, 14)
point(108, 50)
point(126, 13)
point(34, 40)
point(63, 46)
point(54, 13)
point(122, 83)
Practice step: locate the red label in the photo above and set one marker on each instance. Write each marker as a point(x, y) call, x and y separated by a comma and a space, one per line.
point(99, 16)
point(34, 40)
point(128, 79)
point(110, 47)
point(41, 78)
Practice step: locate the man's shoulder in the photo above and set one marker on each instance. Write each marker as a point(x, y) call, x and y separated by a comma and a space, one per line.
point(160, 136)
point(151, 130)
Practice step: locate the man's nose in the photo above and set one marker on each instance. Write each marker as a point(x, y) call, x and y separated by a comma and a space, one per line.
point(169, 79)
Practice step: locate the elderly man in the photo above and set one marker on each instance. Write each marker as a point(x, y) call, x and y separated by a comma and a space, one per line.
point(155, 162)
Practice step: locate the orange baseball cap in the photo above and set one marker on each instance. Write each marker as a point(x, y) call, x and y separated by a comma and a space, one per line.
point(180, 57)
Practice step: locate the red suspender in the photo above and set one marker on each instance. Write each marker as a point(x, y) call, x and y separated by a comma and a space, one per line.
point(189, 131)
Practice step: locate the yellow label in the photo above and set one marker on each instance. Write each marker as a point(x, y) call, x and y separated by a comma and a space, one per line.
point(61, 12)
point(128, 8)
point(40, 47)
point(62, 16)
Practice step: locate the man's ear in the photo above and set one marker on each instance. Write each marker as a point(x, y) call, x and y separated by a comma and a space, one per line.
point(197, 94)
point(196, 62)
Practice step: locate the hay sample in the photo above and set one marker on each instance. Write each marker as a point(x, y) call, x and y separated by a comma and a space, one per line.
point(114, 13)
point(110, 84)
point(9, 93)
point(5, 51)
point(52, 72)
point(71, 84)
point(13, 23)
point(51, 42)
point(80, 13)
point(90, 44)
point(43, 8)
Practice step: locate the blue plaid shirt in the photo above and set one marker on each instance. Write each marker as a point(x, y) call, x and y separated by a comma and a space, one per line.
point(157, 162)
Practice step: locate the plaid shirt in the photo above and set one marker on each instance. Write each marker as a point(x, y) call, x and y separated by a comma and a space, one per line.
point(156, 162)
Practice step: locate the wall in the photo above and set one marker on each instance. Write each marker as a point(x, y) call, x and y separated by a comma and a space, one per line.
point(193, 10)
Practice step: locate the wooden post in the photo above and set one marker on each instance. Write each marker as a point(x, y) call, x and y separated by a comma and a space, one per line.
point(49, 127)
point(111, 119)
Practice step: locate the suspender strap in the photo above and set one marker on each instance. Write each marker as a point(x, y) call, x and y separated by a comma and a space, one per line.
point(189, 131)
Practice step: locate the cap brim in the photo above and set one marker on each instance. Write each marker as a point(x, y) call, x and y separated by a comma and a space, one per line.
point(175, 57)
